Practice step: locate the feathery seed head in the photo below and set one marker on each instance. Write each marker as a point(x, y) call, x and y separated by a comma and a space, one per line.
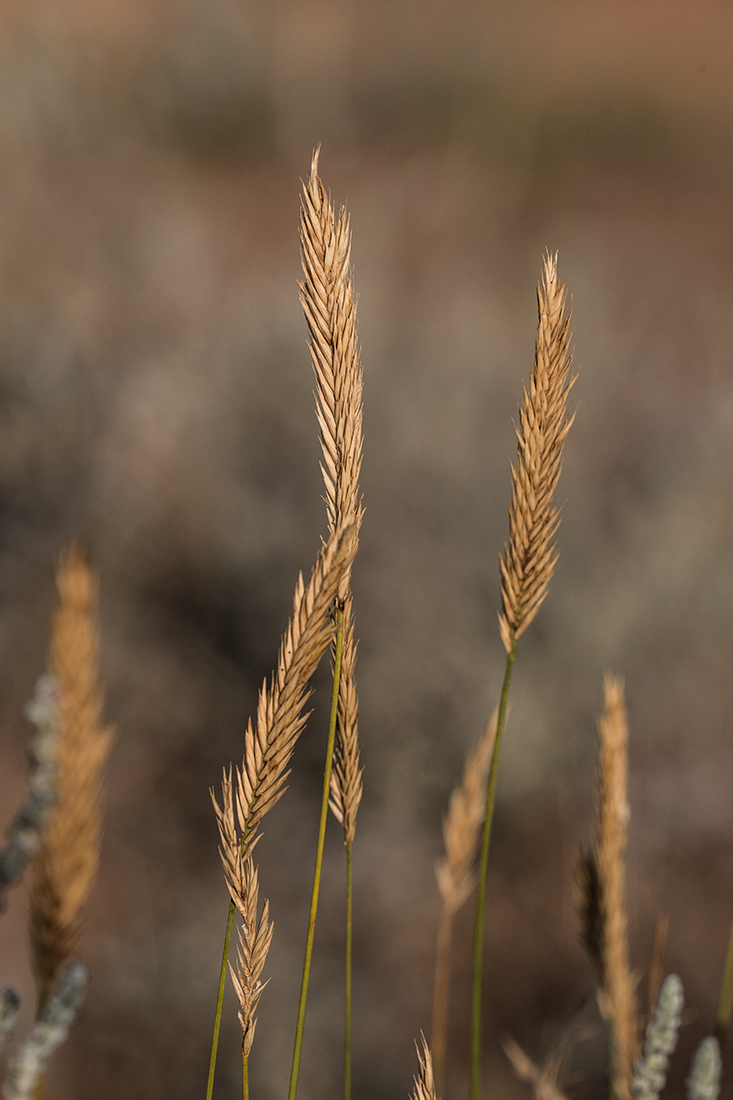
point(329, 303)
point(530, 556)
point(67, 862)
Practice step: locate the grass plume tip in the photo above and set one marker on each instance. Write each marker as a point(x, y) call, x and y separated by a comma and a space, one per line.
point(424, 1085)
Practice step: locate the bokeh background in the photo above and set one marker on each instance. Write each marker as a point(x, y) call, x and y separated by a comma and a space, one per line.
point(156, 402)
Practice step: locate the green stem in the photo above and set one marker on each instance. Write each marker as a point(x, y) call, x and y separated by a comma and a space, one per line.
point(478, 940)
point(297, 1049)
point(220, 1002)
point(245, 1076)
point(347, 1006)
point(725, 1005)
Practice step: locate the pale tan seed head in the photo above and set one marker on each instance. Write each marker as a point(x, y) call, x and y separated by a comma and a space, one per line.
point(329, 302)
point(530, 556)
point(67, 862)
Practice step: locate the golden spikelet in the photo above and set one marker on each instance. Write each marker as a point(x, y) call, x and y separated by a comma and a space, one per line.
point(424, 1085)
point(67, 862)
point(329, 303)
point(529, 559)
point(328, 300)
point(269, 744)
point(619, 999)
point(254, 943)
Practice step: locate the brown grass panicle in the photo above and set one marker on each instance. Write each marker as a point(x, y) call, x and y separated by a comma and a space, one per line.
point(67, 862)
point(529, 559)
point(424, 1084)
point(270, 742)
point(329, 303)
point(617, 997)
point(456, 877)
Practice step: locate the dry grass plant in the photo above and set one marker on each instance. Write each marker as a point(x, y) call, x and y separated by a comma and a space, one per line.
point(530, 557)
point(329, 303)
point(322, 616)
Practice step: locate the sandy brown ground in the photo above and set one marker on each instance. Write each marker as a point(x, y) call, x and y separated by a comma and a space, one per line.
point(156, 401)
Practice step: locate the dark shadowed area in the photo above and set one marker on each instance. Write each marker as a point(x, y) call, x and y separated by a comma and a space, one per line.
point(156, 402)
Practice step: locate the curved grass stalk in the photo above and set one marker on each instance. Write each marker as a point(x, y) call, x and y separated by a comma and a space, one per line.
point(530, 556)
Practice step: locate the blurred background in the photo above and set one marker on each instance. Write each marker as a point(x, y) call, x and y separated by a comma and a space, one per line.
point(156, 401)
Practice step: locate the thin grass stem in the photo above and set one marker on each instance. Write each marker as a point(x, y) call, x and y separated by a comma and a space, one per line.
point(478, 941)
point(245, 1075)
point(220, 1002)
point(300, 1026)
point(347, 991)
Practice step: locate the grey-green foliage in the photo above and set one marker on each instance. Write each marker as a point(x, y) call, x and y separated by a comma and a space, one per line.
point(24, 833)
point(50, 1031)
point(650, 1071)
point(704, 1080)
point(9, 1005)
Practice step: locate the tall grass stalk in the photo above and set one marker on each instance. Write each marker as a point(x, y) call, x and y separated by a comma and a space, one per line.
point(302, 1003)
point(530, 556)
point(329, 303)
